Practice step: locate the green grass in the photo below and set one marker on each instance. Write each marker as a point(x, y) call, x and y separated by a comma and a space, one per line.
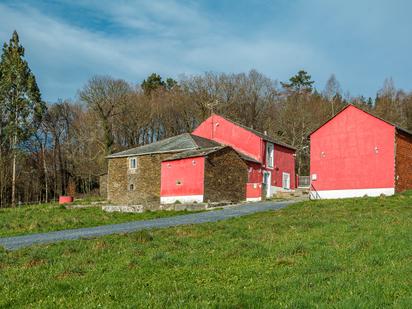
point(346, 254)
point(52, 217)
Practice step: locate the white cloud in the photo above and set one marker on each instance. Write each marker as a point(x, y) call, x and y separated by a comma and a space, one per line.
point(161, 36)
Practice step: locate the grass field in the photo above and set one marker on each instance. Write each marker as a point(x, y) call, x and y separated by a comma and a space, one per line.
point(52, 217)
point(348, 253)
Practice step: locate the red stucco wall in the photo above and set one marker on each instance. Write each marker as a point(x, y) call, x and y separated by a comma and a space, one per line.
point(253, 190)
point(254, 172)
point(343, 155)
point(190, 173)
point(284, 162)
point(223, 131)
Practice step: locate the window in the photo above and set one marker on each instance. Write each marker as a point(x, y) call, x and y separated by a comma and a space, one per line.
point(131, 187)
point(132, 163)
point(269, 154)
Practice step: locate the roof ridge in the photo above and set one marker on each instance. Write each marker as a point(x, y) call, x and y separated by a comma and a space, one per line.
point(196, 146)
point(260, 134)
point(366, 112)
point(120, 153)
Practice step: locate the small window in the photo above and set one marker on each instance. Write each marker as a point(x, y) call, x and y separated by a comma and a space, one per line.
point(132, 163)
point(131, 187)
point(178, 182)
point(269, 154)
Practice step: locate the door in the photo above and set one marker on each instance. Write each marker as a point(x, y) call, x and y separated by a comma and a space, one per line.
point(286, 181)
point(266, 182)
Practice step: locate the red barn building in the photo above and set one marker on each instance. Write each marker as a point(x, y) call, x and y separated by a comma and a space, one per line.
point(220, 160)
point(356, 154)
point(271, 163)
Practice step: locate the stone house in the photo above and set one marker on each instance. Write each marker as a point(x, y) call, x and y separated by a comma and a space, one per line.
point(133, 175)
point(220, 160)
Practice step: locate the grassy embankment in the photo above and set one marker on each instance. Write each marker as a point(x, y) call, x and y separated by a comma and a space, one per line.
point(346, 253)
point(53, 217)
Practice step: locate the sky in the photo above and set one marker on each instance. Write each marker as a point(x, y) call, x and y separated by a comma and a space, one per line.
point(67, 42)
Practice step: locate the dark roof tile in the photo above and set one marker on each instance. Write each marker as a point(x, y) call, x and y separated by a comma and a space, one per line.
point(185, 141)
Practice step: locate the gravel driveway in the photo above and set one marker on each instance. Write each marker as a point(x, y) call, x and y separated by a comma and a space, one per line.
point(16, 242)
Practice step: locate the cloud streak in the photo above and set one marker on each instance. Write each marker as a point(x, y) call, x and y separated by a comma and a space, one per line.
point(132, 39)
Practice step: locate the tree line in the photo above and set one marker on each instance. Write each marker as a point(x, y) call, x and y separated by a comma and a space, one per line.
point(52, 149)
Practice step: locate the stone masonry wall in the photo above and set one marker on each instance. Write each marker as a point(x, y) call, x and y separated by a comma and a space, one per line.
point(226, 176)
point(403, 163)
point(145, 180)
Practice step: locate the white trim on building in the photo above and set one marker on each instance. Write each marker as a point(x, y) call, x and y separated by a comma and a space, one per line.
point(181, 199)
point(253, 199)
point(274, 190)
point(333, 194)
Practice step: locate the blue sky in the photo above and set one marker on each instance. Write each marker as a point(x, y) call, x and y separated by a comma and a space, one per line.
point(67, 42)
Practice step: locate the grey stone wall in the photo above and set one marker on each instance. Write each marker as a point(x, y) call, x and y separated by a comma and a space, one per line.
point(226, 176)
point(145, 180)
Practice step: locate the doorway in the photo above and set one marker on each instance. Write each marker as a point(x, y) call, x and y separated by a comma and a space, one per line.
point(266, 182)
point(286, 181)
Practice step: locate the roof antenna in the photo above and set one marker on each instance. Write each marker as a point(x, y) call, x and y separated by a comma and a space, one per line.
point(211, 106)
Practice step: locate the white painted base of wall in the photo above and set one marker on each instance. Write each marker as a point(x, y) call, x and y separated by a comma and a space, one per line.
point(332, 194)
point(182, 199)
point(253, 199)
point(274, 190)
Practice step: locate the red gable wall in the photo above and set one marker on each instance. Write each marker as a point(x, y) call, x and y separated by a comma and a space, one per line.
point(284, 161)
point(190, 173)
point(343, 155)
point(223, 131)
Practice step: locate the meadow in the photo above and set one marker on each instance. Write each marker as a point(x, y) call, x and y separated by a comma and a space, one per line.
point(354, 253)
point(53, 217)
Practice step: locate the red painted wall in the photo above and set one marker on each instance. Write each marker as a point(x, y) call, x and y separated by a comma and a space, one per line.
point(342, 152)
point(284, 162)
point(253, 190)
point(190, 172)
point(254, 172)
point(223, 131)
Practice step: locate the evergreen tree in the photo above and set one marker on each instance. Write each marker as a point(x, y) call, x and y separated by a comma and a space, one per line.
point(153, 82)
point(299, 83)
point(20, 99)
point(171, 83)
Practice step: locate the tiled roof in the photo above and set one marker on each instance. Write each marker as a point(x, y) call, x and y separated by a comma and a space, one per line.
point(206, 151)
point(177, 143)
point(194, 153)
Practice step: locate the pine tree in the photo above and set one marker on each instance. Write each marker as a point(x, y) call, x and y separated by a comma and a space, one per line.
point(20, 99)
point(300, 83)
point(153, 82)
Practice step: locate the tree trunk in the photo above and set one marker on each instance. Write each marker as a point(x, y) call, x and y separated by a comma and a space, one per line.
point(13, 181)
point(46, 185)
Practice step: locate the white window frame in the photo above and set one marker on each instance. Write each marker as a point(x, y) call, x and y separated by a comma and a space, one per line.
point(270, 156)
point(283, 181)
point(135, 164)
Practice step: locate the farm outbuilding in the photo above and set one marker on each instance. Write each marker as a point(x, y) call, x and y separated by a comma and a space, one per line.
point(271, 162)
point(356, 154)
point(213, 174)
point(220, 160)
point(134, 174)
